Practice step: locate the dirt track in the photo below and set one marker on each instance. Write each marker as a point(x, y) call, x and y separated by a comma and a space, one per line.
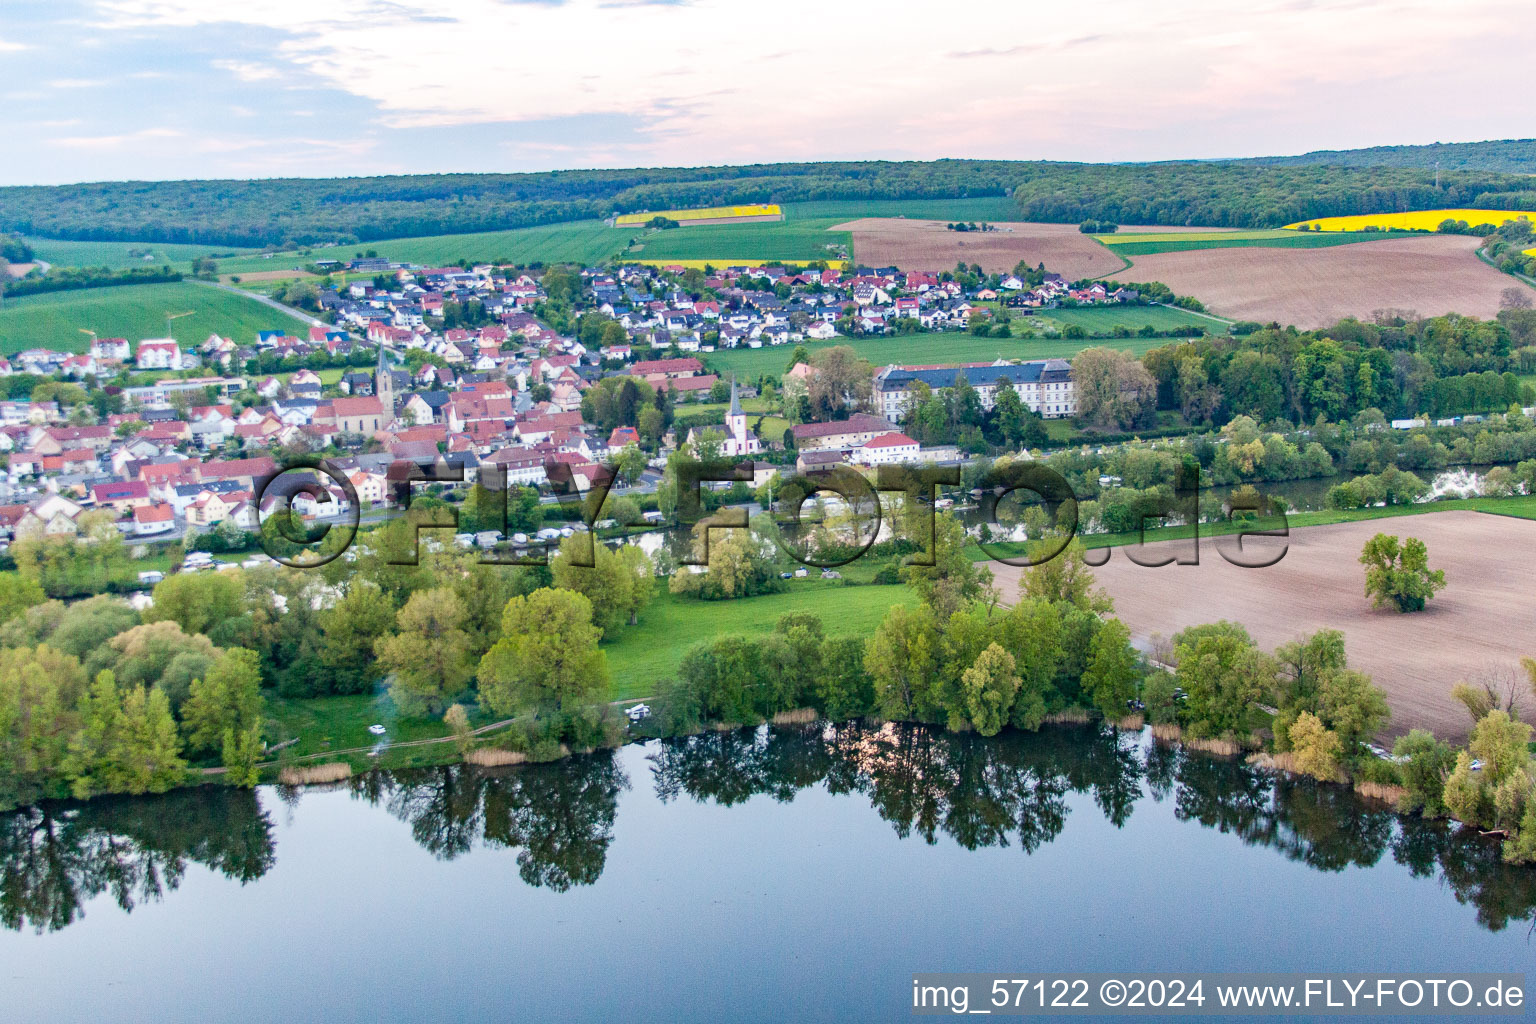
point(1482, 621)
point(1311, 288)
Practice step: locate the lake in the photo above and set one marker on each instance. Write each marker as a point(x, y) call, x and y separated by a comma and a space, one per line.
point(791, 874)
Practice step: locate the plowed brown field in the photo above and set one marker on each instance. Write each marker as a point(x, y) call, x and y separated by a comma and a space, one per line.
point(1311, 288)
point(929, 245)
point(1481, 622)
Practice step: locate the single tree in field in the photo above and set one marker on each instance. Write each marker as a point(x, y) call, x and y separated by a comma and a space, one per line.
point(1398, 573)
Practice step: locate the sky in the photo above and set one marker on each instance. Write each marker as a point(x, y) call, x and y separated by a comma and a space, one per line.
point(94, 90)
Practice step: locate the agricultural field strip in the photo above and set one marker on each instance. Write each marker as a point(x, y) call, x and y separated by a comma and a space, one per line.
point(722, 262)
point(1188, 236)
point(709, 213)
point(1414, 220)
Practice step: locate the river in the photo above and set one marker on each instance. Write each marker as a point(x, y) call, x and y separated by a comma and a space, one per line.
point(794, 874)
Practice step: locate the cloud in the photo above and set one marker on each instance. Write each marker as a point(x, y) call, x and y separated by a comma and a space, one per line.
point(990, 51)
point(710, 81)
point(75, 83)
point(112, 141)
point(6, 46)
point(248, 71)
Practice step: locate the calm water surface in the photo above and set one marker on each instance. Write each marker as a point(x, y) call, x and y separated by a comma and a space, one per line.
point(796, 874)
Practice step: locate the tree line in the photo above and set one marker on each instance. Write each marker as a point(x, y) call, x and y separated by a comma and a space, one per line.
point(69, 279)
point(295, 211)
point(1398, 364)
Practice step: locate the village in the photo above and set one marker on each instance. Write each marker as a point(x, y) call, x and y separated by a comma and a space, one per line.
point(184, 448)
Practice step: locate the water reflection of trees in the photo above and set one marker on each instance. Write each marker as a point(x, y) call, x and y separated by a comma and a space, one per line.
point(979, 792)
point(558, 817)
point(55, 858)
point(1012, 789)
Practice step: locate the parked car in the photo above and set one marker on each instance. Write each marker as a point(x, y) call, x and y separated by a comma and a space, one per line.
point(638, 712)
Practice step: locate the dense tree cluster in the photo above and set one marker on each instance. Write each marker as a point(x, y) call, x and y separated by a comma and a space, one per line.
point(68, 280)
point(14, 250)
point(1245, 195)
point(1398, 364)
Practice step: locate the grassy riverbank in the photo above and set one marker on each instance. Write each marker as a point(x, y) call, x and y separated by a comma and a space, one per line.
point(642, 656)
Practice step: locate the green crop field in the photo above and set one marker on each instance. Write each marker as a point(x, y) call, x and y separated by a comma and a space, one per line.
point(55, 320)
point(800, 241)
point(1123, 245)
point(750, 363)
point(583, 241)
point(121, 255)
point(1100, 320)
point(640, 657)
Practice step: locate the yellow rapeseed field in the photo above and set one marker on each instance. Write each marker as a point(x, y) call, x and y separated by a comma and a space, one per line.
point(1417, 220)
point(708, 213)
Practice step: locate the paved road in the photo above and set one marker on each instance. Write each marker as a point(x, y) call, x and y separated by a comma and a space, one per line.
point(265, 301)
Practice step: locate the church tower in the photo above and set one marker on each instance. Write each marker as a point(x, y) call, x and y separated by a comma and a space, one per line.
point(384, 386)
point(735, 419)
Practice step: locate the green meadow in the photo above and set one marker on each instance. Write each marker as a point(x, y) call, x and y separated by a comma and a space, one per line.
point(57, 320)
point(1100, 320)
point(642, 656)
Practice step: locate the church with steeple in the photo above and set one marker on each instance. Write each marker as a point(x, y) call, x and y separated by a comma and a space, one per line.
point(384, 386)
point(738, 439)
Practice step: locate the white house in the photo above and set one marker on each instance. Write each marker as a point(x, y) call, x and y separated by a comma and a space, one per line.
point(887, 449)
point(158, 354)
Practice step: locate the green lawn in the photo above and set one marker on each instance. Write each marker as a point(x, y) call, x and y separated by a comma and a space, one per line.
point(641, 656)
point(703, 410)
point(1250, 239)
point(55, 320)
point(1100, 320)
point(338, 723)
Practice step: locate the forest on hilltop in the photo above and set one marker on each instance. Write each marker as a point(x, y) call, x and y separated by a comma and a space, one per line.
point(284, 212)
point(1510, 156)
